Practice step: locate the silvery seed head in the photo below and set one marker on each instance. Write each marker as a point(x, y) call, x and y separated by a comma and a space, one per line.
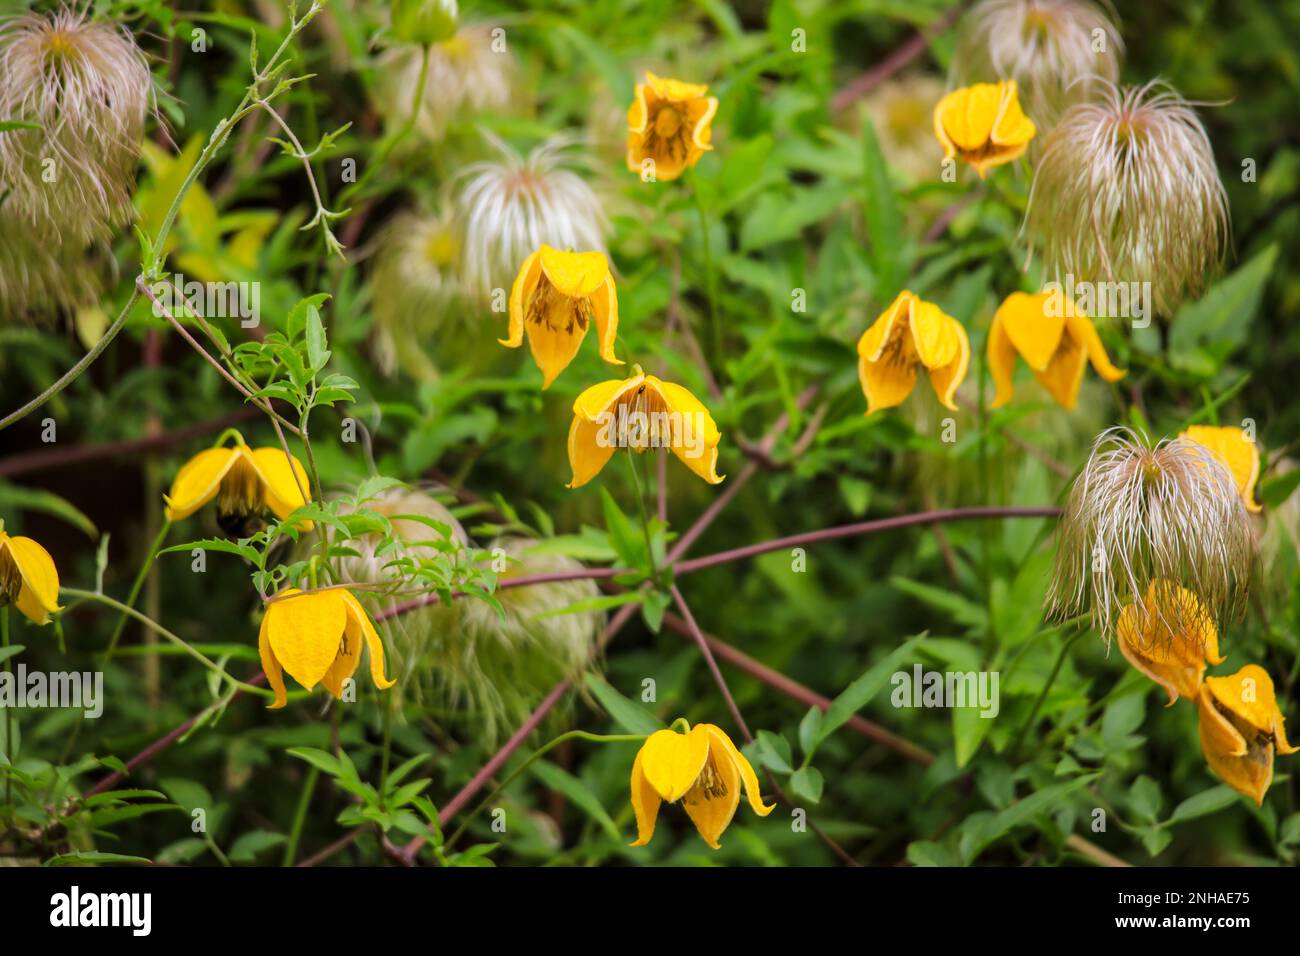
point(1126, 190)
point(87, 87)
point(500, 668)
point(1055, 50)
point(39, 278)
point(510, 206)
point(414, 290)
point(1140, 513)
point(471, 73)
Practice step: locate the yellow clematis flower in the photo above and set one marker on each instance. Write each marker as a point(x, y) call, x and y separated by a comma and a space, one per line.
point(668, 123)
point(246, 482)
point(1172, 642)
point(554, 299)
point(1053, 338)
point(908, 334)
point(316, 636)
point(1242, 729)
point(983, 124)
point(640, 413)
point(28, 579)
point(1239, 453)
point(703, 769)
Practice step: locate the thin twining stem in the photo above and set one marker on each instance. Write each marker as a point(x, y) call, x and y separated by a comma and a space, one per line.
point(261, 403)
point(712, 663)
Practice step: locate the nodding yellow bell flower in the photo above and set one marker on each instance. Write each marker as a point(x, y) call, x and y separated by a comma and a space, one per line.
point(1238, 452)
point(640, 413)
point(28, 579)
point(668, 123)
point(554, 299)
point(983, 125)
point(247, 482)
point(1171, 640)
point(1242, 729)
point(316, 636)
point(1054, 339)
point(911, 333)
point(701, 768)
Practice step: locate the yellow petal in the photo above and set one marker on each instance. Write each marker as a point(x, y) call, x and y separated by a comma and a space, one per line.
point(588, 453)
point(1013, 127)
point(701, 115)
point(638, 112)
point(270, 666)
point(934, 334)
point(753, 792)
point(885, 384)
point(1247, 769)
point(711, 808)
point(1080, 328)
point(696, 442)
point(1169, 641)
point(283, 488)
point(1030, 324)
point(1249, 696)
point(1239, 454)
point(604, 307)
point(359, 625)
point(1064, 374)
point(872, 342)
point(645, 804)
point(1001, 358)
point(305, 630)
point(199, 480)
point(946, 379)
point(554, 348)
point(602, 396)
point(672, 762)
point(574, 274)
point(968, 115)
point(675, 91)
point(521, 290)
point(39, 595)
point(887, 379)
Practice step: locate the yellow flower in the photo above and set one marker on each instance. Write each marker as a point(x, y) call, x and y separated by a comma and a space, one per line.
point(1239, 453)
point(245, 481)
point(316, 636)
point(1054, 340)
point(668, 123)
point(910, 333)
point(703, 769)
point(640, 413)
point(1177, 642)
point(554, 299)
point(983, 125)
point(1241, 729)
point(28, 578)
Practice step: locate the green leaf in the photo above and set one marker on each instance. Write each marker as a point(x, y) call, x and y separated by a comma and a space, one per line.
point(1273, 491)
point(317, 353)
point(774, 752)
point(807, 782)
point(92, 857)
point(1220, 320)
point(249, 845)
point(13, 650)
point(16, 497)
point(992, 827)
point(884, 217)
point(1145, 799)
point(319, 759)
point(7, 125)
point(560, 780)
point(632, 717)
point(1203, 804)
point(858, 694)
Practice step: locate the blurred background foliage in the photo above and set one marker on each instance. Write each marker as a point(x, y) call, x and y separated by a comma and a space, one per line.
point(809, 188)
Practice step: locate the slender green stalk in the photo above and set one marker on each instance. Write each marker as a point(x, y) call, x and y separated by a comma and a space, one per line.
point(645, 517)
point(168, 635)
point(388, 145)
point(1047, 686)
point(710, 277)
point(136, 586)
point(532, 758)
point(299, 816)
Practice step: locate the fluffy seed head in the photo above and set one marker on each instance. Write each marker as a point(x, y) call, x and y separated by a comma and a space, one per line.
point(414, 289)
point(1126, 191)
point(1055, 50)
point(511, 206)
point(470, 73)
point(87, 87)
point(901, 112)
point(38, 278)
point(499, 668)
point(1140, 513)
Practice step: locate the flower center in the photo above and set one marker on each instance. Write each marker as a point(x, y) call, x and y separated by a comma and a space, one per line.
point(239, 502)
point(11, 581)
point(709, 785)
point(667, 122)
point(647, 422)
point(556, 311)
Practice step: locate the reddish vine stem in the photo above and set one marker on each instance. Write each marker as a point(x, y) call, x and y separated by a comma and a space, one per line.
point(908, 51)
